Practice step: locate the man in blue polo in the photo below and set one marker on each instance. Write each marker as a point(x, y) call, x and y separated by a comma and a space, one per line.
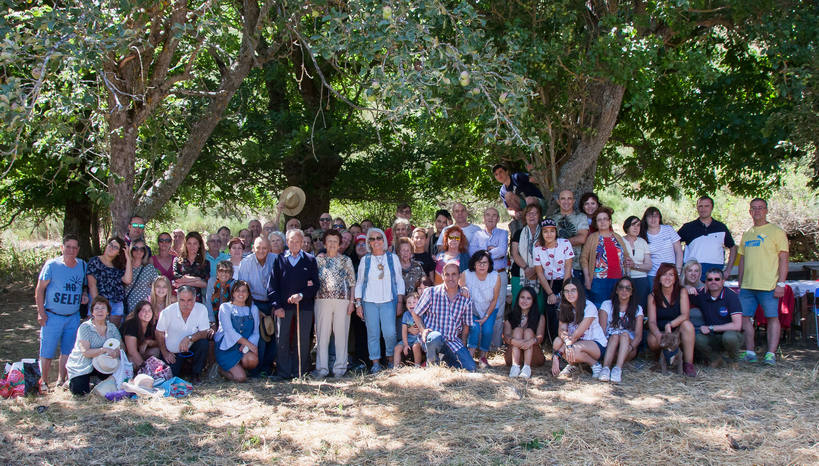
point(443, 314)
point(706, 240)
point(722, 316)
point(58, 296)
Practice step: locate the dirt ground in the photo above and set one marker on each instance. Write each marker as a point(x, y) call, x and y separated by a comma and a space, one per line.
point(742, 415)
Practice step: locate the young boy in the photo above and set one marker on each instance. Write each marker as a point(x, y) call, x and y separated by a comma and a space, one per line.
point(409, 335)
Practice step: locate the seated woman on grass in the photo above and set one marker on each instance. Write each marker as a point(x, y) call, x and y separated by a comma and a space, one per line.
point(523, 330)
point(580, 337)
point(138, 334)
point(238, 335)
point(624, 328)
point(91, 337)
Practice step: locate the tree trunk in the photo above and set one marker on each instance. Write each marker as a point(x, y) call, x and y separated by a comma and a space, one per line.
point(316, 178)
point(78, 220)
point(121, 162)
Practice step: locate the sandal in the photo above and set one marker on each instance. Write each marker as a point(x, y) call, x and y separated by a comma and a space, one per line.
point(44, 390)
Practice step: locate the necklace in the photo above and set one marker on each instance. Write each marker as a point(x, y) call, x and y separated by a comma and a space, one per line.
point(380, 261)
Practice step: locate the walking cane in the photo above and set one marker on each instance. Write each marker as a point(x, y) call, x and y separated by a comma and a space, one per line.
point(298, 336)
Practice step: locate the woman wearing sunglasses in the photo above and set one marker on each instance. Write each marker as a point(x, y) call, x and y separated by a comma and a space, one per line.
point(144, 274)
point(453, 248)
point(379, 294)
point(108, 274)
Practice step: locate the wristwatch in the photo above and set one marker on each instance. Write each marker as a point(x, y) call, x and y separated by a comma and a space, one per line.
point(711, 328)
point(781, 284)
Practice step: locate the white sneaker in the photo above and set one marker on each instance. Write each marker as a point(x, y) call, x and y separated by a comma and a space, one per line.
point(616, 375)
point(605, 375)
point(526, 372)
point(596, 369)
point(514, 371)
point(568, 371)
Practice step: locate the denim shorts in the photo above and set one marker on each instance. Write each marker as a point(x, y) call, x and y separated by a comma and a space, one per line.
point(750, 299)
point(58, 329)
point(602, 350)
point(117, 309)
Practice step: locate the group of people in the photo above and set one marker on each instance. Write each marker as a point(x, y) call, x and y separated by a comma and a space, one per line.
point(252, 305)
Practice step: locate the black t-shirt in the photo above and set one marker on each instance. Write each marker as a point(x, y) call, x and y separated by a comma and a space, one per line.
point(131, 328)
point(515, 269)
point(426, 260)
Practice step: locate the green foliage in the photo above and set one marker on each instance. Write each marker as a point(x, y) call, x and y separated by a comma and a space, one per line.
point(21, 266)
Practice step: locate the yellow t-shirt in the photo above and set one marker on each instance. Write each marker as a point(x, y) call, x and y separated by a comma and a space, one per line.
point(760, 247)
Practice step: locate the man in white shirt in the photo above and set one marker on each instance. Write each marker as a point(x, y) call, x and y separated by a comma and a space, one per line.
point(182, 333)
point(461, 217)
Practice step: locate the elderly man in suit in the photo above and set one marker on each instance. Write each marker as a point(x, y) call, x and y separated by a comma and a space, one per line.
point(294, 279)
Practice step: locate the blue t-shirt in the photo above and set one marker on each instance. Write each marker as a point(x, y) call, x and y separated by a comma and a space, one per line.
point(64, 291)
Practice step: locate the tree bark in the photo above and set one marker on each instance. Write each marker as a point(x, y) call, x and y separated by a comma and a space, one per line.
point(78, 220)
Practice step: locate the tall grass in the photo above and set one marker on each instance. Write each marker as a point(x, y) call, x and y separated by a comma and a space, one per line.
point(21, 266)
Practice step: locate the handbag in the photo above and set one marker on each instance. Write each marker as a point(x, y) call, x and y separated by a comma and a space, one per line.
point(128, 295)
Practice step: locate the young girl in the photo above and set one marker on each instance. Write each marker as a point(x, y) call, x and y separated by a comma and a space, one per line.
point(238, 335)
point(409, 335)
point(624, 328)
point(224, 280)
point(161, 296)
point(580, 337)
point(523, 330)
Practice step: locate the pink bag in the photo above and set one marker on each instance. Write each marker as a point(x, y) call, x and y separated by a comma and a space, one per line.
point(157, 369)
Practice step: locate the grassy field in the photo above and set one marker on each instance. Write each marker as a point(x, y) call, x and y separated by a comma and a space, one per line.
point(744, 415)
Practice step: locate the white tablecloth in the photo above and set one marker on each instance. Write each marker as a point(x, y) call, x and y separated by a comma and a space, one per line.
point(800, 287)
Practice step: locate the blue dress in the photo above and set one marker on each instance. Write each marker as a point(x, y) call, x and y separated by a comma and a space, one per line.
point(243, 321)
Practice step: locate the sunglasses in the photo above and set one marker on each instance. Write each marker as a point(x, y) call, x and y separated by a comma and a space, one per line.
point(626, 287)
point(138, 248)
point(338, 226)
point(325, 220)
point(377, 238)
point(455, 237)
point(114, 245)
point(713, 279)
point(138, 225)
point(164, 240)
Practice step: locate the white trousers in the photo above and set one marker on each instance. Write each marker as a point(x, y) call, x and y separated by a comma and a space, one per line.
point(332, 318)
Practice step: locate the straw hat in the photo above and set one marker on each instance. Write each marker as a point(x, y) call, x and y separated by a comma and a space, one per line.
point(143, 384)
point(267, 327)
point(292, 200)
point(105, 364)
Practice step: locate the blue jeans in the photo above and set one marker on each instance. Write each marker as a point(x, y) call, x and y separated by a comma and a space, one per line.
point(267, 349)
point(601, 289)
point(642, 288)
point(380, 319)
point(750, 299)
point(480, 336)
point(436, 345)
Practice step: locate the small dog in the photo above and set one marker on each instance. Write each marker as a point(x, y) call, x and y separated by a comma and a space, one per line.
point(670, 352)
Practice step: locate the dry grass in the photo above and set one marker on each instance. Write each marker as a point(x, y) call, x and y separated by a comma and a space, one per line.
point(745, 415)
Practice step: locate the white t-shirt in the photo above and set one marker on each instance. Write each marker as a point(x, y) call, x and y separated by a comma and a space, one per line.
point(481, 292)
point(595, 331)
point(661, 246)
point(639, 252)
point(553, 260)
point(606, 306)
point(176, 328)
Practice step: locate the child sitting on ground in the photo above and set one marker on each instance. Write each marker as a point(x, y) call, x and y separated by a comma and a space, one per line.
point(409, 335)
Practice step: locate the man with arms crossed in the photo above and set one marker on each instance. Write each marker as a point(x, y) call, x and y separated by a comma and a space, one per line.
point(706, 239)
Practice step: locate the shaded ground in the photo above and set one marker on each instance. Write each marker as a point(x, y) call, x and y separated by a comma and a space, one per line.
point(746, 415)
